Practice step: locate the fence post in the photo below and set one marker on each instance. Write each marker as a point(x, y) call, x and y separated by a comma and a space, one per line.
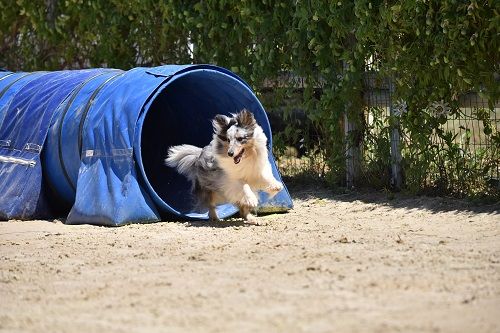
point(351, 134)
point(352, 151)
point(396, 175)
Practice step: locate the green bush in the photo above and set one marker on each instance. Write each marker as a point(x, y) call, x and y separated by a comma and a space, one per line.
point(434, 50)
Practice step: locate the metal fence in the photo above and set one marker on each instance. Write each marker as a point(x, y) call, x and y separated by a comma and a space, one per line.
point(466, 127)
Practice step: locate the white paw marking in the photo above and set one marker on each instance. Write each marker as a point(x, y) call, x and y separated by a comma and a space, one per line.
point(274, 188)
point(250, 200)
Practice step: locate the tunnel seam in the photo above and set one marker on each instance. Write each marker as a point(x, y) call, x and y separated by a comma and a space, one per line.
point(87, 109)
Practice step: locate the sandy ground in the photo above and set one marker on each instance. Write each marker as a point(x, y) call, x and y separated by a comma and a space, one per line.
point(355, 262)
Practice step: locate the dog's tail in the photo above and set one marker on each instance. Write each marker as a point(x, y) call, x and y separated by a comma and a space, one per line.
point(183, 158)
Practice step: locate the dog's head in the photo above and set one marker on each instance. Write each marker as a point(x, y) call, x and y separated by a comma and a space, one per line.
point(234, 134)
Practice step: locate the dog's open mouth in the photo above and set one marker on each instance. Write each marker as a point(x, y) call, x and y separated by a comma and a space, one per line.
point(237, 158)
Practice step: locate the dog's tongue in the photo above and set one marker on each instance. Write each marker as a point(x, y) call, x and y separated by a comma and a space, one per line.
point(237, 158)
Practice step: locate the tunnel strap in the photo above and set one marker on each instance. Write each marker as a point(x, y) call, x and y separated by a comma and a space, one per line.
point(29, 147)
point(17, 160)
point(128, 152)
point(87, 108)
point(32, 147)
point(74, 94)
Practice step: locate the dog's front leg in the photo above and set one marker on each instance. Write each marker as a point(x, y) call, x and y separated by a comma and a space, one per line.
point(248, 205)
point(270, 184)
point(249, 198)
point(247, 215)
point(240, 194)
point(273, 188)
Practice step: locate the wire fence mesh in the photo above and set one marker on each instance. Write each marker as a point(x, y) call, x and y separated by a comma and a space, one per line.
point(466, 131)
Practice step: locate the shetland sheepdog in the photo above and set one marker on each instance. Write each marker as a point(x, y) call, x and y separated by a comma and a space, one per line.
point(231, 169)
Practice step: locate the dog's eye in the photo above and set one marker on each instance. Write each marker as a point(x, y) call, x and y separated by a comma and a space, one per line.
point(223, 138)
point(239, 139)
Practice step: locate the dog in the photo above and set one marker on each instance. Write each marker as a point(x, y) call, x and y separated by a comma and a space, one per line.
point(231, 169)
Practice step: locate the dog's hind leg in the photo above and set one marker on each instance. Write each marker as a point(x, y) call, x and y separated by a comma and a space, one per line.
point(212, 213)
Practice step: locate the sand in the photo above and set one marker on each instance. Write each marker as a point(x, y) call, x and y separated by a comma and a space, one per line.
point(356, 262)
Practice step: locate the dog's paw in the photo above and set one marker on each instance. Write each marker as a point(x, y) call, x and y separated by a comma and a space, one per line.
point(212, 215)
point(274, 188)
point(250, 200)
point(213, 219)
point(254, 220)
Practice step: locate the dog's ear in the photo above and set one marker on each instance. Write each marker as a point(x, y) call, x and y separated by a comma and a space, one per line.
point(220, 123)
point(246, 119)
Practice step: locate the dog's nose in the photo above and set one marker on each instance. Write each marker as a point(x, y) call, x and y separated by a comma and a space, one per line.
point(230, 153)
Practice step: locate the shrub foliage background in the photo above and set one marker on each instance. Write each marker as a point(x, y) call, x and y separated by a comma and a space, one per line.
point(434, 50)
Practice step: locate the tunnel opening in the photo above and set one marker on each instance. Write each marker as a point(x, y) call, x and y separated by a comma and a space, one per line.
point(181, 114)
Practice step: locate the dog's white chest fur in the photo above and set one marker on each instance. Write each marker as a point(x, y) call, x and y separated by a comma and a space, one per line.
point(249, 170)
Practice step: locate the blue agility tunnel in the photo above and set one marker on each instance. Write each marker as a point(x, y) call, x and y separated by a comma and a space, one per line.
point(90, 144)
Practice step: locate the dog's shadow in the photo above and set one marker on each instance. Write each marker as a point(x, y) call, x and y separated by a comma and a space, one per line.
point(227, 223)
